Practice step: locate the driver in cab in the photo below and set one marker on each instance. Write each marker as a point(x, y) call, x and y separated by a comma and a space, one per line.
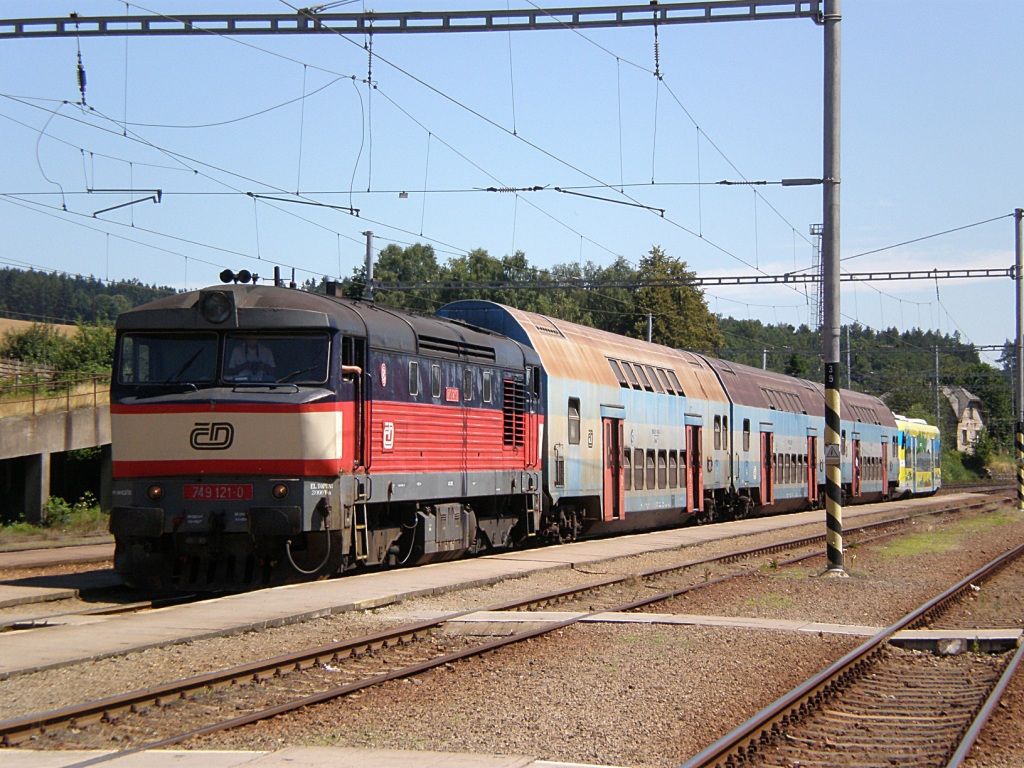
point(251, 360)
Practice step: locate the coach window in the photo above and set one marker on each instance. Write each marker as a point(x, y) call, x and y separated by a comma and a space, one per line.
point(627, 468)
point(725, 433)
point(617, 370)
point(654, 378)
point(673, 469)
point(662, 469)
point(718, 433)
point(488, 387)
point(638, 469)
point(574, 421)
point(631, 375)
point(414, 378)
point(435, 380)
point(643, 378)
point(650, 470)
point(746, 434)
point(843, 441)
point(467, 384)
point(675, 382)
point(665, 383)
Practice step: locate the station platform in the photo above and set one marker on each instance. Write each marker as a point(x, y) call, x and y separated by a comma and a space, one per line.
point(85, 638)
point(293, 757)
point(940, 641)
point(72, 554)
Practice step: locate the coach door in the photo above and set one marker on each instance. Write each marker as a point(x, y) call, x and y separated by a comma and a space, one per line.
point(885, 469)
point(614, 488)
point(812, 468)
point(694, 469)
point(855, 460)
point(767, 468)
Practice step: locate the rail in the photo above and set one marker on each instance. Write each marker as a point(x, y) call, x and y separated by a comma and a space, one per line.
point(39, 396)
point(735, 747)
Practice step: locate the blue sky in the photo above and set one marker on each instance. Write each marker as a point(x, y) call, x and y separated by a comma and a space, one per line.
point(930, 140)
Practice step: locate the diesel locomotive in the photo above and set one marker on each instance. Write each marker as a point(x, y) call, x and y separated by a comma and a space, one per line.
point(263, 434)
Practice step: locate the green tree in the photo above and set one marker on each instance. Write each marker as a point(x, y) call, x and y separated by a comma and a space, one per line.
point(796, 366)
point(681, 317)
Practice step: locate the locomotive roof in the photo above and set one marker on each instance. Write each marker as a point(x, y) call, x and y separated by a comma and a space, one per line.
point(573, 351)
point(281, 309)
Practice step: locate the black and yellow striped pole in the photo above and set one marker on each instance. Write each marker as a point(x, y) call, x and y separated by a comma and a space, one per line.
point(1020, 465)
point(1018, 276)
point(833, 472)
point(830, 327)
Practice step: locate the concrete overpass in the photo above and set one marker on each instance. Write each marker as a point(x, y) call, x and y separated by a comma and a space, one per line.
point(38, 421)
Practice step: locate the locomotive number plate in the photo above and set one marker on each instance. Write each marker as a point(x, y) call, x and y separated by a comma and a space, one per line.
point(218, 492)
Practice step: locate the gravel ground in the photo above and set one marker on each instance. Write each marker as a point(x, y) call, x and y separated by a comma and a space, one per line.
point(627, 695)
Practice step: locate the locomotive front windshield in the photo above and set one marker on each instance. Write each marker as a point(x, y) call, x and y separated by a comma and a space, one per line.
point(277, 359)
point(166, 359)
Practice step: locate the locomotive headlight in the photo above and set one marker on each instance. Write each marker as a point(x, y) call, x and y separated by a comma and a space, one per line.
point(215, 306)
point(279, 491)
point(155, 492)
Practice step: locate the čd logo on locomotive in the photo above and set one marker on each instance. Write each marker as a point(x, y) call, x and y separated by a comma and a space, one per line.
point(212, 436)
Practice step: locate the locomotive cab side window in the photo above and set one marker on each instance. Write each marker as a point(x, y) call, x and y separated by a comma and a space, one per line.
point(414, 378)
point(467, 384)
point(435, 380)
point(488, 389)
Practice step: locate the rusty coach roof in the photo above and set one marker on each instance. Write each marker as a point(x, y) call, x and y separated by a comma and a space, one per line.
point(570, 350)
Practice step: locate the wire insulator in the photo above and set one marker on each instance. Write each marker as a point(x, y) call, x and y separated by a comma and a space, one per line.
point(81, 77)
point(657, 54)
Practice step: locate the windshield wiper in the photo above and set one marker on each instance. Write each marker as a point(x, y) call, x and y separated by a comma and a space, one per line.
point(293, 374)
point(188, 364)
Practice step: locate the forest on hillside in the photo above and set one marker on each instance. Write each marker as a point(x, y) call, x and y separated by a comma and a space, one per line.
point(62, 298)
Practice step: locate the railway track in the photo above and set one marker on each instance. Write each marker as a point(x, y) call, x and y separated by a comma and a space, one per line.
point(156, 717)
point(878, 705)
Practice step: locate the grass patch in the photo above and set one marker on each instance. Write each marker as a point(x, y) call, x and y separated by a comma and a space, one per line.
point(82, 519)
point(937, 542)
point(768, 601)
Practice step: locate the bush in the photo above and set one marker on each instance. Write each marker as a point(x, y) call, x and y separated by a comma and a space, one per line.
point(57, 513)
point(90, 350)
point(954, 471)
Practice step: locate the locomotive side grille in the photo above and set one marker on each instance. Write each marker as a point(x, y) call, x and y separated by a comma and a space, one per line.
point(512, 411)
point(456, 348)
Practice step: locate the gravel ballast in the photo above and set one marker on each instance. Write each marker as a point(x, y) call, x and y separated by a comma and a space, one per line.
point(613, 694)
